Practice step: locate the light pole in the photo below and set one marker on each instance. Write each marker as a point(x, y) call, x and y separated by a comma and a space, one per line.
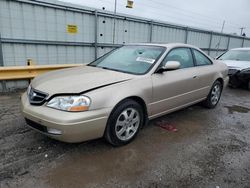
point(114, 21)
point(220, 37)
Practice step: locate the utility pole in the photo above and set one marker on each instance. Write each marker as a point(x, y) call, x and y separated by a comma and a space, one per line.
point(241, 30)
point(129, 5)
point(222, 28)
point(114, 21)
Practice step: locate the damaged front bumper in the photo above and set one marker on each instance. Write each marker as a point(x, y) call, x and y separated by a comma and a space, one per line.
point(239, 77)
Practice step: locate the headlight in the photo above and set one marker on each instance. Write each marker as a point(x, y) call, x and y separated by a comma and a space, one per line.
point(70, 103)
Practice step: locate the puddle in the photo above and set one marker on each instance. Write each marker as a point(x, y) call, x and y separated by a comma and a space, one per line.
point(236, 108)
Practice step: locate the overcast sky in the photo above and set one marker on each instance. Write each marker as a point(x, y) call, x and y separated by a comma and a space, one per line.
point(207, 14)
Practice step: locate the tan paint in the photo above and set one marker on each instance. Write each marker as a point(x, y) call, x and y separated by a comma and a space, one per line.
point(162, 94)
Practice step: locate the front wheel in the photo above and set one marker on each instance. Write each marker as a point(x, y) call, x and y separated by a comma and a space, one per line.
point(124, 123)
point(214, 95)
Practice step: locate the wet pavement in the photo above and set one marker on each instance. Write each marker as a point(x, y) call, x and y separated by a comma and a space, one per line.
point(210, 149)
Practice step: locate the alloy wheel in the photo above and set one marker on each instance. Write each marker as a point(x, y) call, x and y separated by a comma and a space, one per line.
point(127, 124)
point(215, 94)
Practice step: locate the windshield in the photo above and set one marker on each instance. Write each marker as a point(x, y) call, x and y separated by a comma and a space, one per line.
point(130, 59)
point(239, 55)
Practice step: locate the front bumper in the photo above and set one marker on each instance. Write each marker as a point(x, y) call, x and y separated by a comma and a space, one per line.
point(232, 72)
point(238, 77)
point(72, 126)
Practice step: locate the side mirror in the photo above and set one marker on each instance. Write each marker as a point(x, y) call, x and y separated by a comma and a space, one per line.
point(170, 65)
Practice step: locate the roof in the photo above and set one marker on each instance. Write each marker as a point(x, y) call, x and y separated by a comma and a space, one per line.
point(241, 49)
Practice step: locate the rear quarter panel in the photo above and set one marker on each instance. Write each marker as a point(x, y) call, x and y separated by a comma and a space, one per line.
point(208, 74)
point(221, 72)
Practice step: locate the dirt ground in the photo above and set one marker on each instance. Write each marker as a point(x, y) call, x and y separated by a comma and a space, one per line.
point(210, 149)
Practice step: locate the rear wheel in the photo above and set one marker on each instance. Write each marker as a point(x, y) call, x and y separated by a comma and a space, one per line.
point(124, 123)
point(214, 95)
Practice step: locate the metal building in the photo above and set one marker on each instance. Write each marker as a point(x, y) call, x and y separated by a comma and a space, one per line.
point(53, 32)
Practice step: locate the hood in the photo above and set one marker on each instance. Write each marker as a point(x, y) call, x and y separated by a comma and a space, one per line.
point(77, 80)
point(234, 64)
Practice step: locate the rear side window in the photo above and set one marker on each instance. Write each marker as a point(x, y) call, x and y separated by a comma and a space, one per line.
point(201, 59)
point(182, 55)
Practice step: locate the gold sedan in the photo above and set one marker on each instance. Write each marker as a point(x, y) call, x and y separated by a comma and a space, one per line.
point(118, 93)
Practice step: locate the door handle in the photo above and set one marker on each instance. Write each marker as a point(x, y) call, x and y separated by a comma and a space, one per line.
point(194, 76)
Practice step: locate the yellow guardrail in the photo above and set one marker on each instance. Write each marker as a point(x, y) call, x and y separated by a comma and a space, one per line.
point(29, 72)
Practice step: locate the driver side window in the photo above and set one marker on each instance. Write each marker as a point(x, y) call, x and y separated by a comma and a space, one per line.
point(182, 55)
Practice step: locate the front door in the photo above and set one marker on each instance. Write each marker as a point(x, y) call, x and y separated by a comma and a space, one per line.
point(176, 88)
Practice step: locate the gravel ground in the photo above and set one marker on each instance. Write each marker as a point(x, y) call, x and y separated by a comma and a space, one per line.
point(210, 149)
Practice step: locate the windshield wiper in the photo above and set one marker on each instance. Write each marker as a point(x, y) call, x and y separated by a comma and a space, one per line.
point(108, 68)
point(102, 67)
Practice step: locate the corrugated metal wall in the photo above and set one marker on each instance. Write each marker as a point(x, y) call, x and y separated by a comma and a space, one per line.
point(17, 54)
point(235, 42)
point(38, 30)
point(162, 34)
point(246, 43)
point(26, 21)
point(125, 31)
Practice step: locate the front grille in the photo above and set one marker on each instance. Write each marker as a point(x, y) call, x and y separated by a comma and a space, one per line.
point(36, 97)
point(36, 125)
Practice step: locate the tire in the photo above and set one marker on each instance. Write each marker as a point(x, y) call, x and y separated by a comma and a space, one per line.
point(214, 95)
point(124, 123)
